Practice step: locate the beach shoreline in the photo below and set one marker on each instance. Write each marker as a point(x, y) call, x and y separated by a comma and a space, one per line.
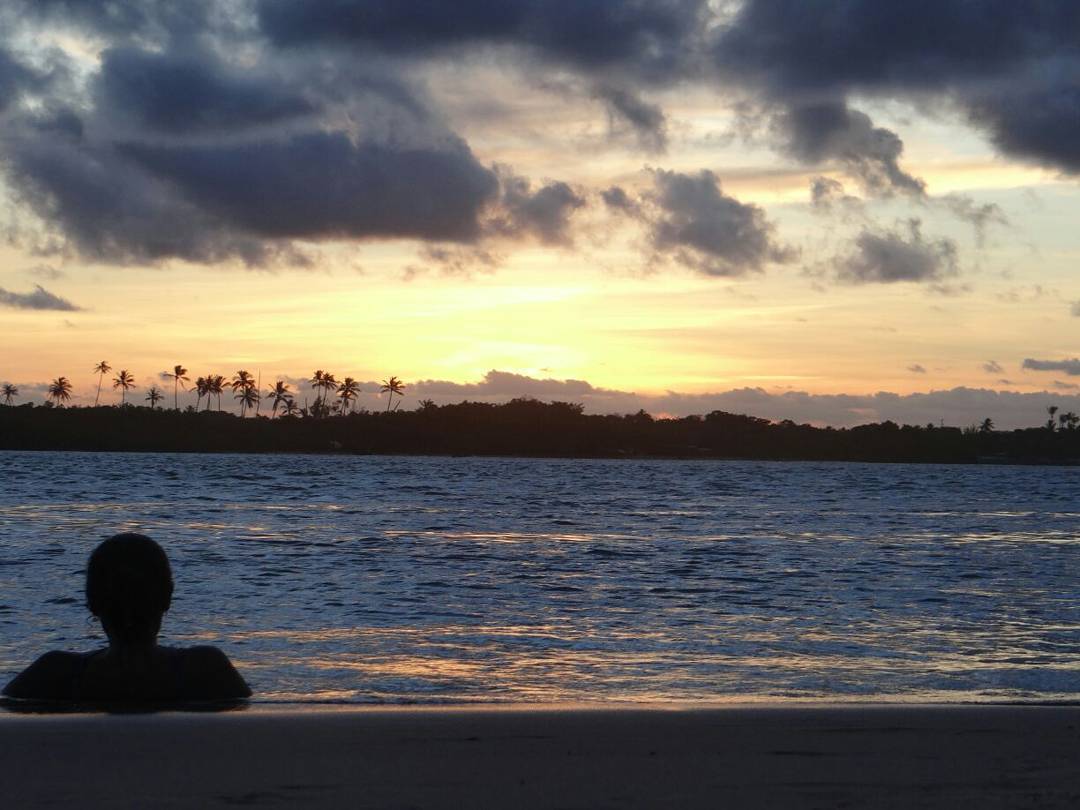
point(778, 755)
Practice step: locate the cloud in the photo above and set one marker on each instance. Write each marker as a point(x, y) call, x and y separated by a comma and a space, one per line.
point(1012, 69)
point(957, 406)
point(454, 260)
point(1070, 367)
point(139, 201)
point(647, 121)
point(40, 299)
point(147, 20)
point(1064, 386)
point(191, 91)
point(646, 38)
point(979, 216)
point(46, 272)
point(915, 368)
point(1035, 118)
point(992, 367)
point(507, 384)
point(543, 214)
point(101, 205)
point(1074, 309)
point(813, 133)
point(323, 185)
point(695, 224)
point(13, 78)
point(887, 257)
point(617, 199)
point(827, 195)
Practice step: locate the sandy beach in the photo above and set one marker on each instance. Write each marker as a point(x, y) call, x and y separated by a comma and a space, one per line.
point(567, 757)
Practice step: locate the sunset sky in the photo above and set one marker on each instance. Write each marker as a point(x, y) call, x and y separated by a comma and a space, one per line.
point(830, 212)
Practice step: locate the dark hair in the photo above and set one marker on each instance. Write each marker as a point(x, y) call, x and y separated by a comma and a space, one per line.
point(129, 584)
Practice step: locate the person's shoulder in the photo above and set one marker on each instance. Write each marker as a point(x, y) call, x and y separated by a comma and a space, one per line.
point(52, 676)
point(203, 654)
point(211, 674)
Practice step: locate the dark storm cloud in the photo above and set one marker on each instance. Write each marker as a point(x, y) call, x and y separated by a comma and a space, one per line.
point(887, 257)
point(149, 20)
point(183, 92)
point(543, 214)
point(322, 185)
point(1011, 66)
point(698, 226)
point(104, 208)
point(40, 298)
point(647, 37)
point(1037, 120)
point(1070, 367)
point(13, 77)
point(647, 121)
point(813, 133)
point(791, 47)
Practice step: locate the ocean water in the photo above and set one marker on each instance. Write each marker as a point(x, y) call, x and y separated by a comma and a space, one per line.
point(405, 579)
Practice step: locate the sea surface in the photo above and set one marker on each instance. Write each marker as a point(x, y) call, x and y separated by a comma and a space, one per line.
point(418, 580)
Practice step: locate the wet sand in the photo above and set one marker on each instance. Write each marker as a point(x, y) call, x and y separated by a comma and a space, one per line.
point(570, 757)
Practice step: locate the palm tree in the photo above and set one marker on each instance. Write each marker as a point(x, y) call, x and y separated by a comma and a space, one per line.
point(153, 396)
point(216, 386)
point(290, 408)
point(101, 369)
point(393, 386)
point(348, 391)
point(200, 391)
point(179, 376)
point(240, 384)
point(60, 390)
point(10, 392)
point(987, 425)
point(280, 394)
point(329, 385)
point(249, 398)
point(316, 381)
point(123, 381)
point(1052, 409)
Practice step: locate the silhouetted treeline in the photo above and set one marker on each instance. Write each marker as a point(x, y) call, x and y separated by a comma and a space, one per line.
point(522, 427)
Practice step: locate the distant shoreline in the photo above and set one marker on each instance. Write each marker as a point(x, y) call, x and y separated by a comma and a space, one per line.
point(526, 429)
point(541, 457)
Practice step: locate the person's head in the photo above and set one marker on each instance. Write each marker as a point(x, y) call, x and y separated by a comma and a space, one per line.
point(129, 587)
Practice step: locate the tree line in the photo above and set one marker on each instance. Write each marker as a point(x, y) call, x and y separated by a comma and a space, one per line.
point(333, 397)
point(522, 427)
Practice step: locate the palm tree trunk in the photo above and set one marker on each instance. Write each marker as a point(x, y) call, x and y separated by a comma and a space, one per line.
point(176, 382)
point(98, 395)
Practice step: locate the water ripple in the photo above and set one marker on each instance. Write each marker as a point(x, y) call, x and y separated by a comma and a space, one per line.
point(436, 579)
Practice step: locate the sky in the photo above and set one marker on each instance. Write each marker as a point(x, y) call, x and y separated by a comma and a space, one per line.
point(829, 212)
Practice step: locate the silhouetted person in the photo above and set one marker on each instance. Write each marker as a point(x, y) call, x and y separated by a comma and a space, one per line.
point(129, 588)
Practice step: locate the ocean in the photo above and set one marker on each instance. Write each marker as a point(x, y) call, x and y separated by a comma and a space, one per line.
point(347, 579)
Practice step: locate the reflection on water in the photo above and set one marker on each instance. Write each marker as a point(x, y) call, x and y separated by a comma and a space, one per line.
point(422, 579)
